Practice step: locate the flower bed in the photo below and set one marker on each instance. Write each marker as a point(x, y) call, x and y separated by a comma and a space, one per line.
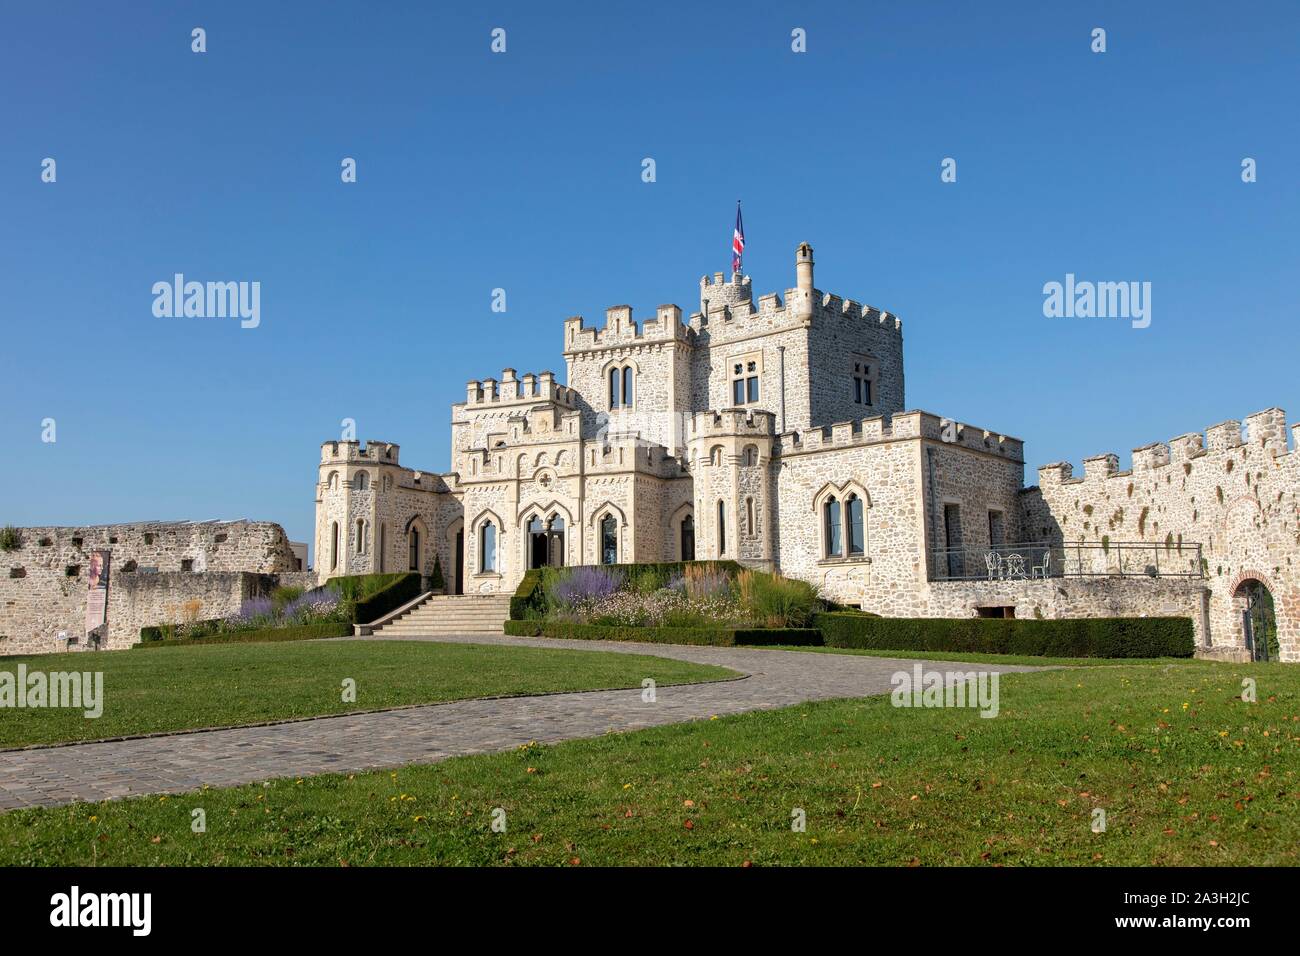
point(712, 596)
point(286, 607)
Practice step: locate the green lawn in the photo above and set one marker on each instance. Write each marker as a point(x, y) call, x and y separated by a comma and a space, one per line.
point(1187, 773)
point(228, 684)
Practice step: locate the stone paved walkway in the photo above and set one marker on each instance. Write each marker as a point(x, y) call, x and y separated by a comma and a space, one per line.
point(425, 734)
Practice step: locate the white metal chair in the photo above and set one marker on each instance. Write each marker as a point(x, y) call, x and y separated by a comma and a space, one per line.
point(1013, 566)
point(1042, 570)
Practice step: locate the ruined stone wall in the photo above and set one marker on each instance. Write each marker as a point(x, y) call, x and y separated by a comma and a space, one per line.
point(43, 582)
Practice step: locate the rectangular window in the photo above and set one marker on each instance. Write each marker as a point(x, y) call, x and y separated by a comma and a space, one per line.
point(746, 370)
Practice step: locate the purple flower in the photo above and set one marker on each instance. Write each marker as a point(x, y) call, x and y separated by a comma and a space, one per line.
point(255, 608)
point(585, 584)
point(317, 603)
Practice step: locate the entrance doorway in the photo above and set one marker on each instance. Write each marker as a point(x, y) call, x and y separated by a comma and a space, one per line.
point(545, 542)
point(1258, 621)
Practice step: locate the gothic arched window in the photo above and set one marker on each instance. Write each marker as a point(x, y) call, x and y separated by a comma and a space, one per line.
point(608, 540)
point(857, 539)
point(832, 520)
point(487, 552)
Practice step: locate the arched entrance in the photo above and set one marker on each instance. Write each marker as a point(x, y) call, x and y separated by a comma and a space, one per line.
point(545, 541)
point(1253, 603)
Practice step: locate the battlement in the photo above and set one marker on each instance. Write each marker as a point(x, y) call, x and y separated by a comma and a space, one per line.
point(1265, 432)
point(914, 424)
point(774, 310)
point(620, 329)
point(732, 421)
point(513, 388)
point(372, 452)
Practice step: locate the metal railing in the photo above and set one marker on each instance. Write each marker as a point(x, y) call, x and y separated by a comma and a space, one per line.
point(1072, 559)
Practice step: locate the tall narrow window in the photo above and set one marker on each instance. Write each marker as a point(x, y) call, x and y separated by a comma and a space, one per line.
point(688, 538)
point(383, 545)
point(834, 528)
point(487, 558)
point(621, 386)
point(334, 545)
point(749, 516)
point(722, 528)
point(608, 540)
point(856, 537)
point(864, 380)
point(362, 481)
point(361, 536)
point(414, 556)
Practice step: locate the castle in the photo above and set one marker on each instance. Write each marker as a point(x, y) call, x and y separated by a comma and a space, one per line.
point(777, 435)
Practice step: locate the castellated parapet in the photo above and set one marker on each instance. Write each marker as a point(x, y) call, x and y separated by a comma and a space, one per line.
point(620, 329)
point(902, 425)
point(371, 452)
point(491, 392)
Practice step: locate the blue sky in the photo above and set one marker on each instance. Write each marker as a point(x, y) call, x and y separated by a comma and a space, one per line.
point(522, 171)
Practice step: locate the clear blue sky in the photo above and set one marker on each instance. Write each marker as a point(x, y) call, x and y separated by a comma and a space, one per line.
point(522, 171)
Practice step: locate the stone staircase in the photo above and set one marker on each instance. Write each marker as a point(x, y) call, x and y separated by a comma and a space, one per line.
point(437, 614)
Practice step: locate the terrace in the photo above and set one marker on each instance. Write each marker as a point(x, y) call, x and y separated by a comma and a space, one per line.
point(1072, 559)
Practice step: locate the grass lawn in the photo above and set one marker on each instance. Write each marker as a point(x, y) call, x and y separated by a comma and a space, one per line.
point(1187, 773)
point(229, 684)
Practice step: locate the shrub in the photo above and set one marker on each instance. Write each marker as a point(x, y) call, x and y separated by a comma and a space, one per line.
point(529, 599)
point(711, 636)
point(302, 632)
point(11, 539)
point(389, 598)
point(366, 597)
point(777, 601)
point(1070, 637)
point(436, 581)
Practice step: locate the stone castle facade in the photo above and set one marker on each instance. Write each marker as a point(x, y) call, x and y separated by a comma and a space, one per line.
point(776, 434)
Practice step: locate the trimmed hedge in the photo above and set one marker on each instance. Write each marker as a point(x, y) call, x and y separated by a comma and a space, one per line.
point(157, 632)
point(530, 597)
point(712, 636)
point(296, 632)
point(1065, 637)
point(376, 594)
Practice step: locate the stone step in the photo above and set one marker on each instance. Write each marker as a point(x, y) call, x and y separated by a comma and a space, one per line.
point(450, 614)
